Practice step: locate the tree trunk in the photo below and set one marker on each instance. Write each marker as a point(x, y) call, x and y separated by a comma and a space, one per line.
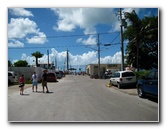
point(37, 62)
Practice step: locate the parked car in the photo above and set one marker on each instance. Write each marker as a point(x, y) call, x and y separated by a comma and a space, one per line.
point(58, 74)
point(12, 77)
point(51, 77)
point(62, 73)
point(123, 78)
point(148, 85)
point(107, 74)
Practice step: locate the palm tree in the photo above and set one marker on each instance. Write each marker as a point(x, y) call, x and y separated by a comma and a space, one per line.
point(143, 41)
point(136, 28)
point(37, 55)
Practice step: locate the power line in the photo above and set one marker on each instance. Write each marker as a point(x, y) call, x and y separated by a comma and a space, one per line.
point(63, 45)
point(110, 44)
point(48, 47)
point(64, 36)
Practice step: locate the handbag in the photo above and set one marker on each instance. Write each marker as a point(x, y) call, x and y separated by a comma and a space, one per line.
point(21, 85)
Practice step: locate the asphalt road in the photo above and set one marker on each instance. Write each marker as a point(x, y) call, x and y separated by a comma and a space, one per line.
point(79, 99)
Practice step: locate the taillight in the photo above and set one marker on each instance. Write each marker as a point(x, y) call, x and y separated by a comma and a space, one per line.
point(121, 79)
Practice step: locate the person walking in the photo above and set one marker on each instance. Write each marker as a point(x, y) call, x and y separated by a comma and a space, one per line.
point(34, 80)
point(44, 81)
point(22, 83)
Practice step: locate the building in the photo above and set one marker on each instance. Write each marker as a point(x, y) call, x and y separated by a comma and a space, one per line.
point(45, 65)
point(92, 69)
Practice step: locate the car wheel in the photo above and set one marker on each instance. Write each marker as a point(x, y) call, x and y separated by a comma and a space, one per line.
point(119, 86)
point(140, 92)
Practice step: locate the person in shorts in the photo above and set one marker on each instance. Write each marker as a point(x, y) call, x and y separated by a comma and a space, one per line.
point(44, 81)
point(34, 80)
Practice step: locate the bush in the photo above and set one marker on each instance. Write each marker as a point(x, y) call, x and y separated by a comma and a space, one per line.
point(140, 74)
point(28, 82)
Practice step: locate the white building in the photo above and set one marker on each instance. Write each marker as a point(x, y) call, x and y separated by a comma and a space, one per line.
point(92, 69)
point(45, 65)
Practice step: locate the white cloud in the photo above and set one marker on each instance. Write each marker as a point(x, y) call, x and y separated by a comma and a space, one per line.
point(20, 12)
point(85, 18)
point(90, 41)
point(15, 43)
point(39, 39)
point(115, 59)
point(90, 57)
point(85, 58)
point(20, 27)
point(23, 27)
point(24, 56)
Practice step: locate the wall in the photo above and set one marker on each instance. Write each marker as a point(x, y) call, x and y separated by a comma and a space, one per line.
point(27, 71)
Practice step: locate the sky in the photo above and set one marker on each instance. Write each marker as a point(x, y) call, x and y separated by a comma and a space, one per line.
point(77, 30)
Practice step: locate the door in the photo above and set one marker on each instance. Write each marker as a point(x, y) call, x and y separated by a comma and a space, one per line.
point(151, 83)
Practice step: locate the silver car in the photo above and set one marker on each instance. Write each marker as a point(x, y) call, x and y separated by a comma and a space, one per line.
point(12, 77)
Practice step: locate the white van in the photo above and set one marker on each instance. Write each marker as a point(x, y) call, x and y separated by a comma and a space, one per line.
point(123, 78)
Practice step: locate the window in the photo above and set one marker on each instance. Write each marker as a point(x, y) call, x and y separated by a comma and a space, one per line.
point(116, 75)
point(156, 75)
point(128, 74)
point(153, 75)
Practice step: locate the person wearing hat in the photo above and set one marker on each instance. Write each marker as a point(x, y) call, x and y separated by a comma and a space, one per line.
point(44, 81)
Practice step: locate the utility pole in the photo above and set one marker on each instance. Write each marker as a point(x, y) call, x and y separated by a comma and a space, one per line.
point(67, 59)
point(55, 63)
point(48, 57)
point(98, 44)
point(121, 38)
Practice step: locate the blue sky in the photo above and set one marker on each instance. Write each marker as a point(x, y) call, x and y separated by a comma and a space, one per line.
point(59, 29)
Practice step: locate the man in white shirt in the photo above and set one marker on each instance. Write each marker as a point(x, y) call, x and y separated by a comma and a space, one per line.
point(34, 79)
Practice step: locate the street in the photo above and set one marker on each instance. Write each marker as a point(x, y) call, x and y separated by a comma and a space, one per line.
point(79, 99)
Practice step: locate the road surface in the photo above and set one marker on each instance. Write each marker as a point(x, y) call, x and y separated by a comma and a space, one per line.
point(79, 99)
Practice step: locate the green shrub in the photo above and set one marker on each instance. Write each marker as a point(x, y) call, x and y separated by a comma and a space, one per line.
point(140, 74)
point(28, 82)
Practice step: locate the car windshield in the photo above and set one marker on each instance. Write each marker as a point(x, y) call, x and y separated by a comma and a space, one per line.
point(116, 74)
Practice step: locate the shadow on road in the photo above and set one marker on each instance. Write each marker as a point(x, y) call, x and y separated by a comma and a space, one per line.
point(44, 92)
point(25, 95)
point(153, 99)
point(49, 92)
